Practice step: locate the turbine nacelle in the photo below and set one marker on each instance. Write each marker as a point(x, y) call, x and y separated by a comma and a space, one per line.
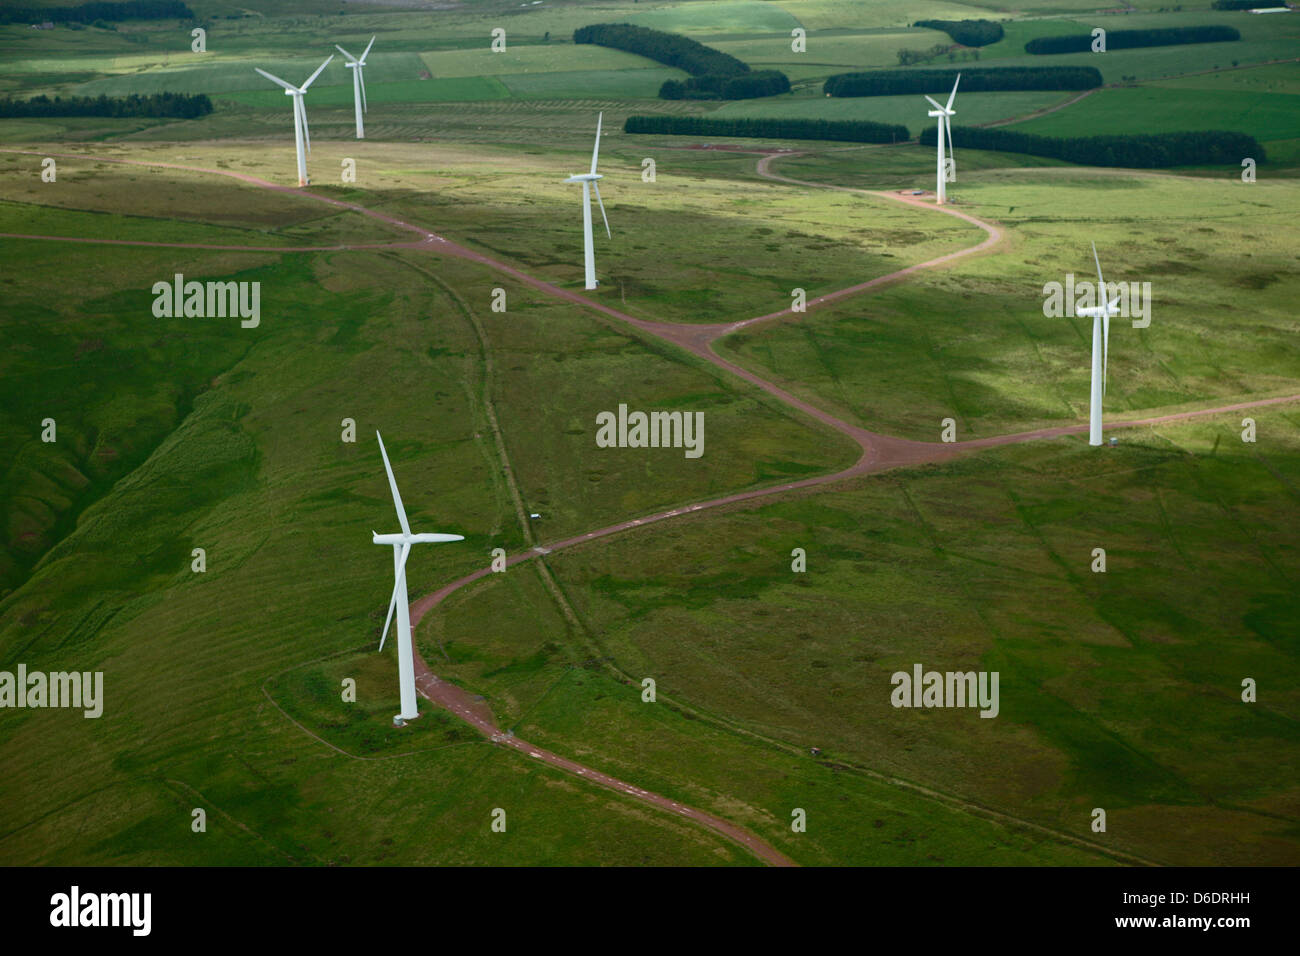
point(584, 178)
point(1092, 311)
point(289, 88)
point(941, 110)
point(359, 61)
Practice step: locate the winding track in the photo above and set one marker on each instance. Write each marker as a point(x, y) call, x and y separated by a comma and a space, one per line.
point(878, 452)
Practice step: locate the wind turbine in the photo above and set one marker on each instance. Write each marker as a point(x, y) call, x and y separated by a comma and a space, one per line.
point(945, 114)
point(401, 551)
point(358, 83)
point(1100, 315)
point(588, 181)
point(300, 131)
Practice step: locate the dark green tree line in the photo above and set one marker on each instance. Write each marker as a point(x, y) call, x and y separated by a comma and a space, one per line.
point(984, 78)
point(851, 131)
point(1143, 151)
point(966, 32)
point(669, 48)
point(90, 12)
point(1128, 39)
point(177, 105)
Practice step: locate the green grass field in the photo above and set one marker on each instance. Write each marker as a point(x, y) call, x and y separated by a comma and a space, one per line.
point(831, 54)
point(1279, 78)
point(223, 689)
point(712, 19)
point(1266, 116)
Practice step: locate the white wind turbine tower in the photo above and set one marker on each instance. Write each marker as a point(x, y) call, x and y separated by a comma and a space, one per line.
point(300, 131)
point(401, 544)
point(944, 114)
point(356, 65)
point(1100, 315)
point(588, 181)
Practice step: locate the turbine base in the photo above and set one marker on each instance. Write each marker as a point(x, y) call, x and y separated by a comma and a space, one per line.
point(400, 721)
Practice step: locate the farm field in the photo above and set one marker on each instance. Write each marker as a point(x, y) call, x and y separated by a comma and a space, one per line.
point(1266, 116)
point(893, 468)
point(1279, 78)
point(849, 52)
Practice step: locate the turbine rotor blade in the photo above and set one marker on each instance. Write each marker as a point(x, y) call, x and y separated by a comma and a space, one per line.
point(1105, 318)
point(367, 50)
point(275, 79)
point(953, 95)
point(311, 79)
point(351, 58)
point(933, 102)
point(397, 590)
point(952, 154)
point(302, 109)
point(596, 151)
point(361, 79)
point(595, 187)
point(392, 483)
point(1105, 347)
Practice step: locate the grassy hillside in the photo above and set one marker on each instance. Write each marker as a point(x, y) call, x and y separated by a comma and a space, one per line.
point(972, 342)
point(1118, 690)
point(224, 688)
